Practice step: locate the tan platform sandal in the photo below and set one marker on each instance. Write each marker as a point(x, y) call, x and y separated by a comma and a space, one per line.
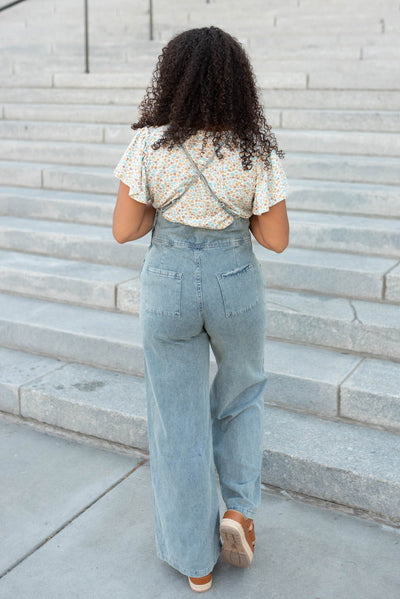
point(200, 584)
point(238, 535)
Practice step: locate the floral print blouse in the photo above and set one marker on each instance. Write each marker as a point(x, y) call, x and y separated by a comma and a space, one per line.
point(160, 175)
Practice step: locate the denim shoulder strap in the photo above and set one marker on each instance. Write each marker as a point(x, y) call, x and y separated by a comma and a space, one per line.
point(206, 183)
point(182, 189)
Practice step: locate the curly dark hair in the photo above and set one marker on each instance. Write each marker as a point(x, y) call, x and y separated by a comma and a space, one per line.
point(203, 80)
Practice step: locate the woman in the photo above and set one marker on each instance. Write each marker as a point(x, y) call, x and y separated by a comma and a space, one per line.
point(201, 172)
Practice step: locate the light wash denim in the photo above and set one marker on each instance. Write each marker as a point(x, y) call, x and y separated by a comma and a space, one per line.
point(199, 288)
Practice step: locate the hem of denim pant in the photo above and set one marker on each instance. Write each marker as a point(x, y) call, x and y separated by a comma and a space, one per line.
point(189, 571)
point(247, 513)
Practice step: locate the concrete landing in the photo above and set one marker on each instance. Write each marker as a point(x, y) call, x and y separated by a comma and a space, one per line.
point(77, 521)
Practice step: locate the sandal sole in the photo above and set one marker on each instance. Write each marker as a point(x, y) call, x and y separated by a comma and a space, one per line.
point(199, 588)
point(235, 549)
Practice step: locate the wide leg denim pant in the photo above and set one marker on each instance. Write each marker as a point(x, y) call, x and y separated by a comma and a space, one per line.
point(200, 288)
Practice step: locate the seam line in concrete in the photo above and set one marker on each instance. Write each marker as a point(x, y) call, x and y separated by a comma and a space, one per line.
point(48, 538)
point(348, 375)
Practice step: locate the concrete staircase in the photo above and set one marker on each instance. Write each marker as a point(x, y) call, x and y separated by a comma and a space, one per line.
point(70, 347)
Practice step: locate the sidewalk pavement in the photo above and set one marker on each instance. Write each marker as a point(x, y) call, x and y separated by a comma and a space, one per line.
point(77, 523)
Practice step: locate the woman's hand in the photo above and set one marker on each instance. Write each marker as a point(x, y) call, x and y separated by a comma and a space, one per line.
point(271, 229)
point(131, 219)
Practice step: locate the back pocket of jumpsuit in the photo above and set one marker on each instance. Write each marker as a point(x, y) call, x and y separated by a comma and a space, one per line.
point(240, 288)
point(161, 291)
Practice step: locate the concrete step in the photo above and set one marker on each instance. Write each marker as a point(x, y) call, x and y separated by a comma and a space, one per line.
point(326, 120)
point(331, 273)
point(48, 65)
point(348, 80)
point(93, 284)
point(112, 340)
point(272, 98)
point(269, 24)
point(278, 79)
point(341, 462)
point(52, 131)
point(71, 241)
point(275, 64)
point(67, 113)
point(344, 198)
point(83, 179)
point(382, 200)
point(355, 456)
point(27, 174)
point(38, 50)
point(359, 50)
point(352, 169)
point(118, 60)
point(333, 167)
point(53, 204)
point(392, 292)
point(286, 50)
point(290, 15)
point(304, 52)
point(292, 140)
point(285, 60)
point(134, 79)
point(343, 233)
point(319, 63)
point(357, 234)
point(317, 39)
point(62, 152)
point(339, 142)
point(373, 52)
point(61, 50)
point(350, 234)
point(310, 99)
point(68, 281)
point(43, 80)
point(140, 48)
point(362, 327)
point(249, 27)
point(96, 208)
point(353, 325)
point(50, 95)
point(328, 26)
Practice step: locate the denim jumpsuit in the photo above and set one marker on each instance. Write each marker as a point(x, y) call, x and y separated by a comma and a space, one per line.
point(199, 288)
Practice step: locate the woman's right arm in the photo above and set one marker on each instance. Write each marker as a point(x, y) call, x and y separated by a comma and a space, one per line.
point(271, 228)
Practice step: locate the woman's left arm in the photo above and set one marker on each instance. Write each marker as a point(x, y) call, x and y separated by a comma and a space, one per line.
point(131, 219)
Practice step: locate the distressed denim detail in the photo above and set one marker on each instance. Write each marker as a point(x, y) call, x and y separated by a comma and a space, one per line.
point(237, 289)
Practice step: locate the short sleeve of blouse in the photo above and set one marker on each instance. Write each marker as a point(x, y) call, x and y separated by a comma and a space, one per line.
point(271, 186)
point(130, 169)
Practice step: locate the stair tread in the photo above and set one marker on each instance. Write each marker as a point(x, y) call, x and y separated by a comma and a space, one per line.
point(296, 256)
point(326, 219)
point(36, 264)
point(321, 156)
point(332, 444)
point(18, 124)
point(125, 327)
point(55, 194)
point(293, 255)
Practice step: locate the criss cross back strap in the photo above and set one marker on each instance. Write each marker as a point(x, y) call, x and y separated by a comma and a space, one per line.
point(182, 189)
point(206, 183)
